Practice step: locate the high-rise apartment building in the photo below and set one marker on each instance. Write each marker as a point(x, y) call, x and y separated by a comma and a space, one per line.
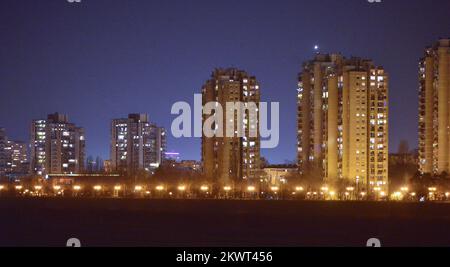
point(57, 146)
point(136, 144)
point(13, 157)
point(434, 119)
point(3, 153)
point(226, 158)
point(343, 121)
point(17, 158)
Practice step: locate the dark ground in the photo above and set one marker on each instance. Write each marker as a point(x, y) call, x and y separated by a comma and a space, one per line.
point(111, 222)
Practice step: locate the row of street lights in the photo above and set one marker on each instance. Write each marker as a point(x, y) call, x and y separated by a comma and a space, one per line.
point(325, 193)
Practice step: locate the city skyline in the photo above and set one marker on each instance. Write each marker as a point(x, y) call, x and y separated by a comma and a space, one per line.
point(95, 77)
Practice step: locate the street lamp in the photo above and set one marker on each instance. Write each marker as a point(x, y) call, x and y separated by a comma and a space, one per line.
point(299, 189)
point(19, 187)
point(251, 189)
point(204, 188)
point(37, 187)
point(97, 188)
point(77, 187)
point(182, 188)
point(159, 188)
point(275, 188)
point(137, 188)
point(227, 188)
point(57, 187)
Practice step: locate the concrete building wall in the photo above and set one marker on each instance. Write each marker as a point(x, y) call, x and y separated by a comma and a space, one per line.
point(354, 114)
point(229, 159)
point(434, 99)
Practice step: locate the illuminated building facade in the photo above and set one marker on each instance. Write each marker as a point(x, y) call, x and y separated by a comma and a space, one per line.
point(434, 119)
point(3, 154)
point(136, 144)
point(343, 121)
point(17, 155)
point(224, 158)
point(57, 146)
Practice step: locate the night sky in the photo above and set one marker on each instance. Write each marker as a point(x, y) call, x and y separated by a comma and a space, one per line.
point(103, 59)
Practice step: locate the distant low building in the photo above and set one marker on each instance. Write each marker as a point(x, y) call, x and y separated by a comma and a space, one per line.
point(192, 165)
point(277, 175)
point(107, 166)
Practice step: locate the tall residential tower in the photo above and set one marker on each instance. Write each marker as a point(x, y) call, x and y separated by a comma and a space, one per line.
point(57, 146)
point(226, 158)
point(434, 119)
point(343, 121)
point(3, 152)
point(136, 144)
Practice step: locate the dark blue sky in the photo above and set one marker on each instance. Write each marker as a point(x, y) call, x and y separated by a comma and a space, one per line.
point(103, 59)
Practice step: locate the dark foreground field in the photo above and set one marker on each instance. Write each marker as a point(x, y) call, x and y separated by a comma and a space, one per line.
point(109, 222)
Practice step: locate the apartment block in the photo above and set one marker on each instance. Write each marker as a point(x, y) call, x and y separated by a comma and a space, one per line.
point(57, 146)
point(226, 158)
point(434, 119)
point(136, 144)
point(343, 121)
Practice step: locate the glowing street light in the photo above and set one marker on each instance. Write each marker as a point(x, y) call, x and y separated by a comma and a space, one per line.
point(350, 189)
point(19, 187)
point(98, 188)
point(299, 189)
point(227, 188)
point(204, 188)
point(251, 189)
point(325, 189)
point(57, 187)
point(77, 187)
point(275, 188)
point(332, 193)
point(432, 189)
point(138, 188)
point(404, 189)
point(38, 187)
point(182, 188)
point(159, 188)
point(2, 187)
